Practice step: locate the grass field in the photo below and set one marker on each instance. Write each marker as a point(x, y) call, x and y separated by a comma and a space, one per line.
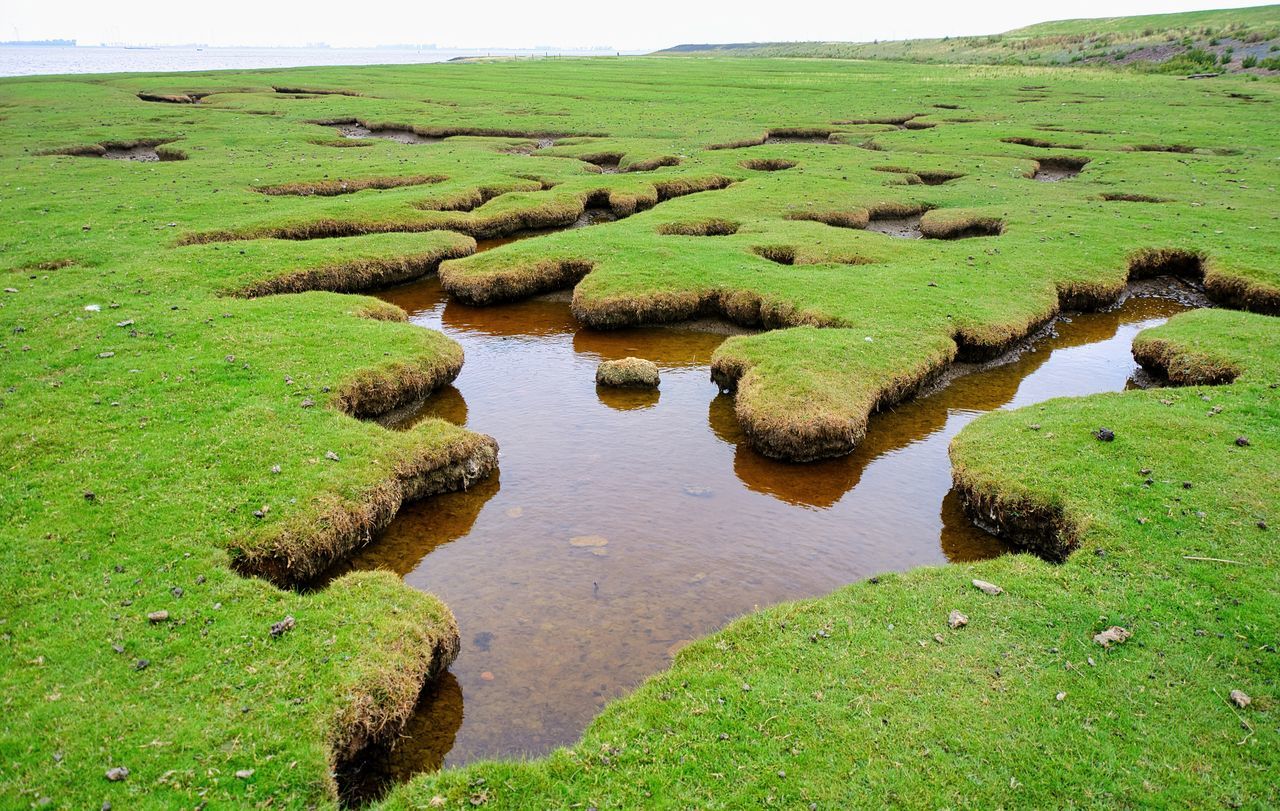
point(187, 375)
point(1222, 40)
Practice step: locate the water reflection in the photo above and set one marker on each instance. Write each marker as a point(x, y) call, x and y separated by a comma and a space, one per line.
point(629, 522)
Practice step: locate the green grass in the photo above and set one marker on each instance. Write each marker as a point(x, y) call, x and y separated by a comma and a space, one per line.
point(174, 422)
point(1159, 42)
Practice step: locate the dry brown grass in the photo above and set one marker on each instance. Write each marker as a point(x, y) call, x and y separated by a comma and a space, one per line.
point(767, 164)
point(356, 276)
point(314, 92)
point(1040, 144)
point(376, 391)
point(295, 552)
point(781, 254)
point(711, 227)
point(649, 164)
point(818, 430)
point(742, 307)
point(1117, 197)
point(957, 224)
point(332, 188)
point(852, 218)
point(173, 98)
point(742, 142)
point(929, 177)
point(512, 283)
point(1175, 148)
point(382, 698)
point(628, 373)
point(1183, 366)
point(1240, 293)
point(1179, 262)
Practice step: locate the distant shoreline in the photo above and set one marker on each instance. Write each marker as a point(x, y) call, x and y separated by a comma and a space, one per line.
point(52, 60)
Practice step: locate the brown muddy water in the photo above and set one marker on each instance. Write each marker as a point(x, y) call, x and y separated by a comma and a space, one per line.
point(625, 523)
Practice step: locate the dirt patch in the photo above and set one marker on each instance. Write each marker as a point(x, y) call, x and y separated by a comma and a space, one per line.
point(1125, 197)
point(606, 162)
point(767, 164)
point(782, 254)
point(907, 227)
point(397, 134)
point(1039, 144)
point(713, 227)
point(1053, 170)
point(1180, 149)
point(332, 188)
point(173, 98)
point(145, 150)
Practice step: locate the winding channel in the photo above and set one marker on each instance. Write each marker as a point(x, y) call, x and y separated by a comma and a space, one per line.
point(623, 524)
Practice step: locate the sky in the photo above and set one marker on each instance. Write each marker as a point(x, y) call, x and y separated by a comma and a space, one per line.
point(644, 25)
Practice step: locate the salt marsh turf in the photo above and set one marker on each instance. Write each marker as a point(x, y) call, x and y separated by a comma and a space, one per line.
point(185, 369)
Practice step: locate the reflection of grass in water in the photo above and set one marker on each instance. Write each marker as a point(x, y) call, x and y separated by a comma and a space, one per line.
point(420, 747)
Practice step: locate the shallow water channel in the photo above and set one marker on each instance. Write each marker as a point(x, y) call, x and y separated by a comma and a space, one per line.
point(625, 523)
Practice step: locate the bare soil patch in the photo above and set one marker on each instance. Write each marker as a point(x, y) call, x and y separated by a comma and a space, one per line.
point(1056, 169)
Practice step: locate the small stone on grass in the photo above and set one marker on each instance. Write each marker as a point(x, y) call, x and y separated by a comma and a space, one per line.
point(988, 588)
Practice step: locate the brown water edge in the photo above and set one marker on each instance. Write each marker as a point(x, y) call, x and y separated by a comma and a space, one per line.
point(626, 523)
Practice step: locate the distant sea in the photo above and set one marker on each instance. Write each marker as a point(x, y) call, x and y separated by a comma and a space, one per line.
point(33, 61)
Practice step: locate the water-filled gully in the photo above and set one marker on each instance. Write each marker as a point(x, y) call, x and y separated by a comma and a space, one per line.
point(625, 523)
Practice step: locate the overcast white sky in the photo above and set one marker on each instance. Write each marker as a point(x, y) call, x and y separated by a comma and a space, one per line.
point(646, 24)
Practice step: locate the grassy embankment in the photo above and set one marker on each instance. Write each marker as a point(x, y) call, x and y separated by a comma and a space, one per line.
point(1229, 40)
point(141, 437)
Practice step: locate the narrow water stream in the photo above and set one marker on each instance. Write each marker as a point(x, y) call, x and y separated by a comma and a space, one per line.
point(625, 523)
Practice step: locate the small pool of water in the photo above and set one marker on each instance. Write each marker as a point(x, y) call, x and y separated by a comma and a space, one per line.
point(624, 523)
